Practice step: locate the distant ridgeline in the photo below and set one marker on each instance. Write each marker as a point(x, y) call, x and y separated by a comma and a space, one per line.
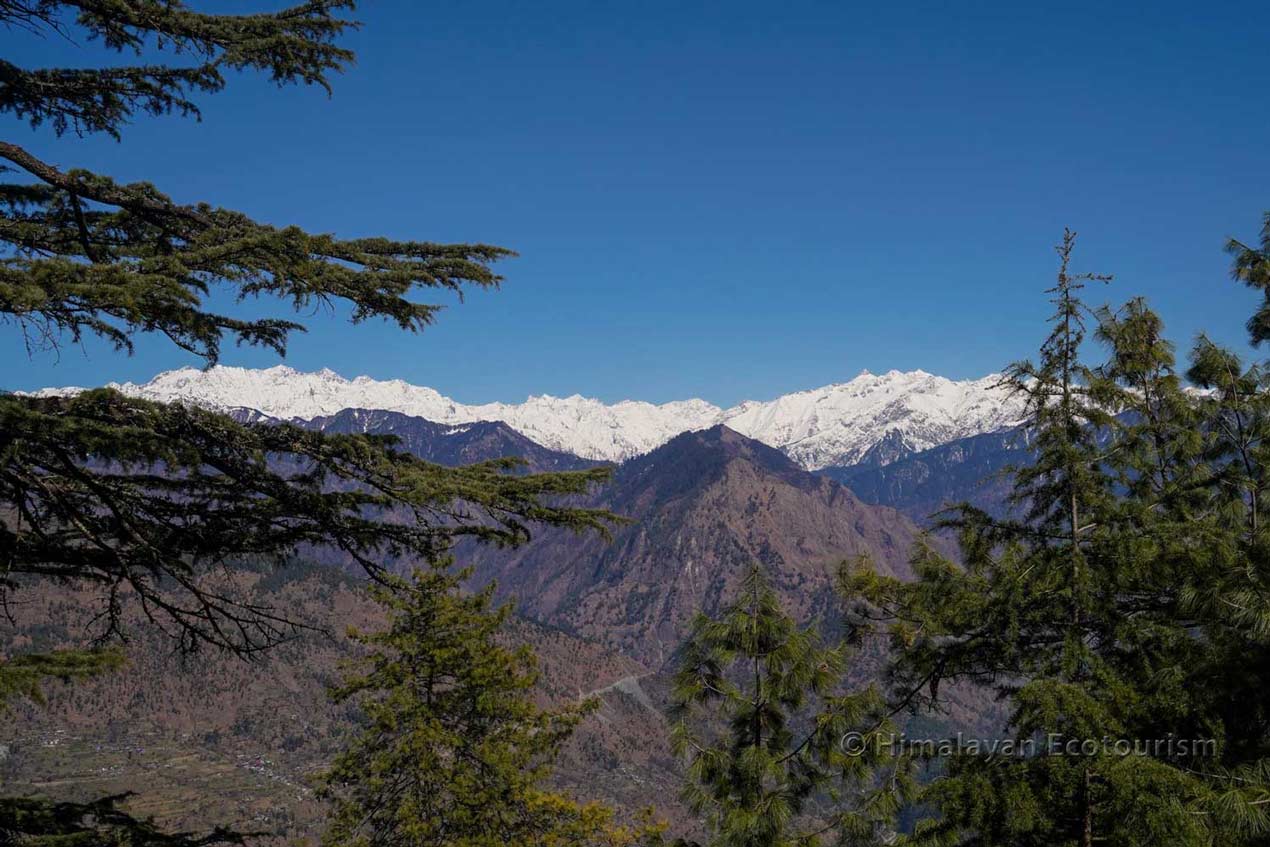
point(869, 419)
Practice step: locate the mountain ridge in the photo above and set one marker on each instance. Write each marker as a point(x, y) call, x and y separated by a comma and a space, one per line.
point(444, 444)
point(702, 508)
point(834, 425)
point(973, 470)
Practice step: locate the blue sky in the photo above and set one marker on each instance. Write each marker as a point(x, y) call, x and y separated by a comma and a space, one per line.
point(731, 200)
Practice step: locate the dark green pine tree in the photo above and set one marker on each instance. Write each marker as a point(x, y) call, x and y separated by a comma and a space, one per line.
point(1230, 596)
point(777, 754)
point(1073, 611)
point(1160, 530)
point(1251, 266)
point(455, 752)
point(145, 503)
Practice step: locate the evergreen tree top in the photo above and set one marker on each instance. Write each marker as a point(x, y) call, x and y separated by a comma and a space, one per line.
point(295, 45)
point(88, 255)
point(760, 719)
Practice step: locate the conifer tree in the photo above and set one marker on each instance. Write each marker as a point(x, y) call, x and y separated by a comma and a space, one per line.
point(1250, 265)
point(1228, 595)
point(1160, 530)
point(454, 752)
point(777, 754)
point(1073, 611)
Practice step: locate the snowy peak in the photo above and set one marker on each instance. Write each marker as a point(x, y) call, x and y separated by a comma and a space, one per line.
point(840, 424)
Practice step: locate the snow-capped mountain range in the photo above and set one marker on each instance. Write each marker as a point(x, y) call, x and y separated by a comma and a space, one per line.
point(871, 418)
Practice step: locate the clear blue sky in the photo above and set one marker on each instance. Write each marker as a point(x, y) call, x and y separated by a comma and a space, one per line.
point(732, 200)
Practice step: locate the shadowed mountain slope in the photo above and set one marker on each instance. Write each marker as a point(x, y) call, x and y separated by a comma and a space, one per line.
point(444, 444)
point(972, 470)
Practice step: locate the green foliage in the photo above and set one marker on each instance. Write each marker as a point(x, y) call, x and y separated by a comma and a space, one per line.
point(1124, 604)
point(776, 753)
point(293, 45)
point(87, 255)
point(455, 751)
point(1251, 266)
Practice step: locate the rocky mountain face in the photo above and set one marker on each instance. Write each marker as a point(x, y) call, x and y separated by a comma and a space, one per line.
point(871, 418)
point(702, 508)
